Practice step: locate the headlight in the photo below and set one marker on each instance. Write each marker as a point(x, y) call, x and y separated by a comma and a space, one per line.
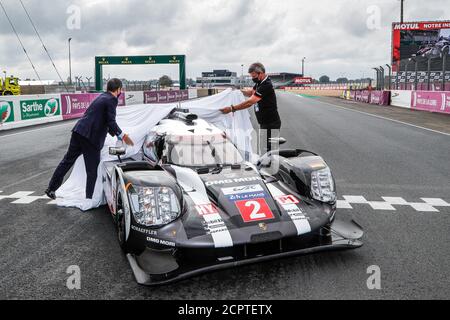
point(322, 186)
point(154, 206)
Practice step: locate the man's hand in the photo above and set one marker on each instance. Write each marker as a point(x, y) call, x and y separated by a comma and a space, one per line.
point(127, 140)
point(226, 110)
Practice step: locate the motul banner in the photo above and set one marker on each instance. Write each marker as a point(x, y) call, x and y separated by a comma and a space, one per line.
point(303, 80)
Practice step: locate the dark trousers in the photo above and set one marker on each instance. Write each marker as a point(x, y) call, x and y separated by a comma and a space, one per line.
point(267, 132)
point(78, 146)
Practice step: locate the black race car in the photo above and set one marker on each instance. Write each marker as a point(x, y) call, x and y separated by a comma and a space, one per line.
point(435, 49)
point(190, 203)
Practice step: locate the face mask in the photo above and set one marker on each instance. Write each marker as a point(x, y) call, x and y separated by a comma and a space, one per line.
point(256, 80)
point(119, 95)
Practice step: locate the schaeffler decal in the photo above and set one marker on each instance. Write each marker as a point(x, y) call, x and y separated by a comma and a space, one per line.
point(144, 231)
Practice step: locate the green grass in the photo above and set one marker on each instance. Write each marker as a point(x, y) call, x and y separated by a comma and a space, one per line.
point(308, 96)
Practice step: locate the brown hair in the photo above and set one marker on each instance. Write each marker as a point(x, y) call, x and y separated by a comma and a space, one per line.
point(257, 67)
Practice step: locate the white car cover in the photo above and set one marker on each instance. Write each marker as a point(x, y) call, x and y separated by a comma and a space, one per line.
point(137, 121)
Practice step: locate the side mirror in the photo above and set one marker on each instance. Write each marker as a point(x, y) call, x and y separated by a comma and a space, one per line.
point(117, 151)
point(280, 141)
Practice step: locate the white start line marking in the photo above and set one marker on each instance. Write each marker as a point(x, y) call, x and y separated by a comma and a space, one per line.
point(427, 204)
point(388, 203)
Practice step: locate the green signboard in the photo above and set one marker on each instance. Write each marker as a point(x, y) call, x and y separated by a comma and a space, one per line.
point(138, 60)
point(6, 112)
point(44, 108)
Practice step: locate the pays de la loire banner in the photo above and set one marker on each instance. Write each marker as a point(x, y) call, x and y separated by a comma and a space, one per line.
point(431, 101)
point(75, 105)
point(6, 112)
point(39, 108)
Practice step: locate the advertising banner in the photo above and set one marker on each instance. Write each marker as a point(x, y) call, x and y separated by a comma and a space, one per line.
point(134, 97)
point(380, 97)
point(75, 105)
point(172, 96)
point(40, 108)
point(401, 98)
point(162, 97)
point(6, 112)
point(431, 101)
point(122, 101)
point(362, 96)
point(365, 96)
point(303, 80)
point(151, 97)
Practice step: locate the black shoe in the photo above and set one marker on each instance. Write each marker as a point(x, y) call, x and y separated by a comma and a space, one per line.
point(51, 194)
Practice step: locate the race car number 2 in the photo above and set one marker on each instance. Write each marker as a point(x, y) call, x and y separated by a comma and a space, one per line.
point(254, 210)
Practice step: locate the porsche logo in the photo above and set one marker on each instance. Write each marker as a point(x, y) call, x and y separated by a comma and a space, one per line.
point(263, 226)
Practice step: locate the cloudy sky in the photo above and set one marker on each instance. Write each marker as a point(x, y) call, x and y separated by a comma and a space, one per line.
point(338, 37)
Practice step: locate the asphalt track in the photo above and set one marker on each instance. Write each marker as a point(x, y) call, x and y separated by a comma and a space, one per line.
point(372, 157)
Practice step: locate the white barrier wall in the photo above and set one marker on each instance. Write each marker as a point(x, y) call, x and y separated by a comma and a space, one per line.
point(193, 94)
point(401, 98)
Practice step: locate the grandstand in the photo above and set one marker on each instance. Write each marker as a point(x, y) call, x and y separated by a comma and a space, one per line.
point(283, 79)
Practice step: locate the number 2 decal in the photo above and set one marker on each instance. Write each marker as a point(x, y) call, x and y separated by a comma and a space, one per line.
point(256, 213)
point(255, 210)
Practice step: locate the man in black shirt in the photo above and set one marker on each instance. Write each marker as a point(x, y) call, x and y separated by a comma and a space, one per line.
point(265, 100)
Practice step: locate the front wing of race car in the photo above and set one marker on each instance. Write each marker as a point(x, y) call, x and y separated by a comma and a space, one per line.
point(153, 268)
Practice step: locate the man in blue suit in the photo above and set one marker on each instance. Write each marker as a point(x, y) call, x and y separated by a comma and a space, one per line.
point(88, 138)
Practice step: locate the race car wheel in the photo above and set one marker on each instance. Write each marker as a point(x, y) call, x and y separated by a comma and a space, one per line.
point(121, 226)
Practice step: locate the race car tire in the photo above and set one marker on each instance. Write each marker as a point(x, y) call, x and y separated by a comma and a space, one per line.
point(121, 224)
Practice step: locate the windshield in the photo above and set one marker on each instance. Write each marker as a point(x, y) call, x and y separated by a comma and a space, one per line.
point(208, 152)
